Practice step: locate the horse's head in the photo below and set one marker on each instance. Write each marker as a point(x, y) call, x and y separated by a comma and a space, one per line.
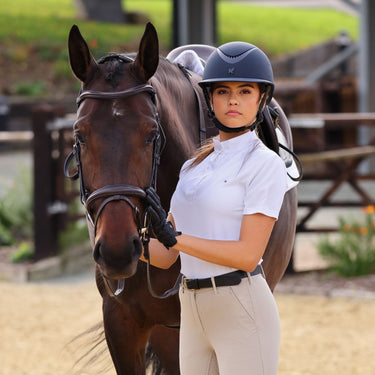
point(116, 146)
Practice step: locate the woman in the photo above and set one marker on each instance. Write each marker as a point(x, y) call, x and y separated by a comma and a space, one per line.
point(221, 217)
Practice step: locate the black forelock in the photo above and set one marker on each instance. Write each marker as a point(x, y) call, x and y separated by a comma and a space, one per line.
point(114, 67)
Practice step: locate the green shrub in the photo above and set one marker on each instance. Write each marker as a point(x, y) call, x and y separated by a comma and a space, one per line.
point(31, 89)
point(16, 212)
point(76, 233)
point(62, 71)
point(6, 237)
point(24, 252)
point(352, 253)
point(16, 220)
point(20, 202)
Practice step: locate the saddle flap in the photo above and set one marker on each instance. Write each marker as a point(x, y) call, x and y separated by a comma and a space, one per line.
point(266, 129)
point(286, 156)
point(271, 133)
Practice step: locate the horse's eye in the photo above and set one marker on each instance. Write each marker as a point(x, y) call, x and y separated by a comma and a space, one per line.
point(79, 138)
point(151, 137)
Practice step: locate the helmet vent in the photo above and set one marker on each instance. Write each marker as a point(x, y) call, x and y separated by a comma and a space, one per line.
point(233, 59)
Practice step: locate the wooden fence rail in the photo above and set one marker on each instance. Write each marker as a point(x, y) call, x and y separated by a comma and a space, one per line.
point(338, 166)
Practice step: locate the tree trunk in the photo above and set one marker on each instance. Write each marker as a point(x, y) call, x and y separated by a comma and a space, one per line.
point(100, 10)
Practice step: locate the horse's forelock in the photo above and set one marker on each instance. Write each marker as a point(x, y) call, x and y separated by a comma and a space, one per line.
point(113, 67)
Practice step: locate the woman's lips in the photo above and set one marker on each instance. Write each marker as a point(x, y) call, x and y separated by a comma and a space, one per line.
point(233, 113)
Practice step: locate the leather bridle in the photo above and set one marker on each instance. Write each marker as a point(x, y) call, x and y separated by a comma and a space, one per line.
point(119, 192)
point(122, 192)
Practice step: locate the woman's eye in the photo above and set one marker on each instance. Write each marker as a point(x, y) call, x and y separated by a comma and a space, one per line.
point(221, 92)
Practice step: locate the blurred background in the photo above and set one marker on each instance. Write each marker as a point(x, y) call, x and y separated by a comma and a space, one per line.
point(321, 52)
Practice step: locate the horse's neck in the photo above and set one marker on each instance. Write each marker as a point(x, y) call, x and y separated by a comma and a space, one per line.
point(178, 113)
point(178, 109)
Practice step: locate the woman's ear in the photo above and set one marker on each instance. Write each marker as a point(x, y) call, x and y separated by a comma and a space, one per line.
point(263, 95)
point(211, 99)
point(262, 102)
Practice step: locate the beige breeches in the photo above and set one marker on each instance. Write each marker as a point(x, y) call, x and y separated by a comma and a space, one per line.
point(233, 330)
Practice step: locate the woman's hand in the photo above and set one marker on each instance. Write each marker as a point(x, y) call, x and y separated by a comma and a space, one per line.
point(163, 229)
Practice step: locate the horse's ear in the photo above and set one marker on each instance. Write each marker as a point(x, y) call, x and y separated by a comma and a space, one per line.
point(80, 57)
point(147, 58)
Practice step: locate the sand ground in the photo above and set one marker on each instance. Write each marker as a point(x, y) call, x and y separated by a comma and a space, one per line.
point(320, 335)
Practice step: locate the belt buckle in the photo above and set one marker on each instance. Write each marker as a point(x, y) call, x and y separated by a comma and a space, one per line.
point(185, 285)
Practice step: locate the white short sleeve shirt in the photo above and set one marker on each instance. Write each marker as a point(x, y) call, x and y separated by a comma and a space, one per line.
point(240, 177)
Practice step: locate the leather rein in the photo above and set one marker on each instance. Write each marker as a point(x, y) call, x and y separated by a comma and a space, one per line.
point(123, 191)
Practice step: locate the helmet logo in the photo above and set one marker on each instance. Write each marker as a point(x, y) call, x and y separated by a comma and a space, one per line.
point(231, 70)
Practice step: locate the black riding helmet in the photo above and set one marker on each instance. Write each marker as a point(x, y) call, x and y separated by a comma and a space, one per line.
point(238, 62)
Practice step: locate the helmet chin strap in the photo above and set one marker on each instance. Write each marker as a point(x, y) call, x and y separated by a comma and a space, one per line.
point(226, 129)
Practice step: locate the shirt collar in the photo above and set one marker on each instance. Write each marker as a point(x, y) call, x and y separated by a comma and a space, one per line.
point(241, 142)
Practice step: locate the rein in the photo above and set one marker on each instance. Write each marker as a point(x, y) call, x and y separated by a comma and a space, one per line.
point(122, 192)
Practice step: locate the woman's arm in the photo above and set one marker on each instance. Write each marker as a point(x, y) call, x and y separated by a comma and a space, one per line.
point(160, 256)
point(243, 254)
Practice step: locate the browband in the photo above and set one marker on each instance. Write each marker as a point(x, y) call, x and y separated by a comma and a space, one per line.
point(114, 95)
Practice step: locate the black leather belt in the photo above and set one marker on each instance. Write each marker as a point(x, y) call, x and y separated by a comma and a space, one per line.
point(228, 279)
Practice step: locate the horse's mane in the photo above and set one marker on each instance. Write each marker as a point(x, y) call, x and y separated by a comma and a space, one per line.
point(168, 74)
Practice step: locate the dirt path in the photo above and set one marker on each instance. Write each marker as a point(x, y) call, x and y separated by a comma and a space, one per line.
point(320, 335)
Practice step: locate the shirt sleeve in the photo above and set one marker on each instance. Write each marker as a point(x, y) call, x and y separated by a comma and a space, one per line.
point(185, 166)
point(265, 191)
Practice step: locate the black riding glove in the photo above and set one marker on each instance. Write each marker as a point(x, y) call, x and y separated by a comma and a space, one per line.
point(163, 230)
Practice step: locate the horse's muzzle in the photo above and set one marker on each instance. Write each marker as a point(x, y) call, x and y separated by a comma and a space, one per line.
point(118, 263)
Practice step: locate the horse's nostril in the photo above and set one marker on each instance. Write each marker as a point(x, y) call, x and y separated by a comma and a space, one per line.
point(97, 253)
point(104, 255)
point(137, 247)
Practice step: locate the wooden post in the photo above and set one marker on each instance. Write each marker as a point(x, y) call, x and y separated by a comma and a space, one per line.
point(366, 73)
point(194, 22)
point(99, 10)
point(45, 225)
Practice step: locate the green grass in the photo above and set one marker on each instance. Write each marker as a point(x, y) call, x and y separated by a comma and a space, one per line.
point(46, 23)
point(37, 31)
point(281, 30)
point(42, 24)
point(277, 30)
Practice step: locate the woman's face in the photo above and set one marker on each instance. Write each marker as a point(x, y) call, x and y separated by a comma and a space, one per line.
point(235, 103)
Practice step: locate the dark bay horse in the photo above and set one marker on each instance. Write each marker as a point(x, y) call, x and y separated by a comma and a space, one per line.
point(132, 109)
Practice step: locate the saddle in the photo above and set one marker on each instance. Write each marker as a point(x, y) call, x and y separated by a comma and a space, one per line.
point(194, 56)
